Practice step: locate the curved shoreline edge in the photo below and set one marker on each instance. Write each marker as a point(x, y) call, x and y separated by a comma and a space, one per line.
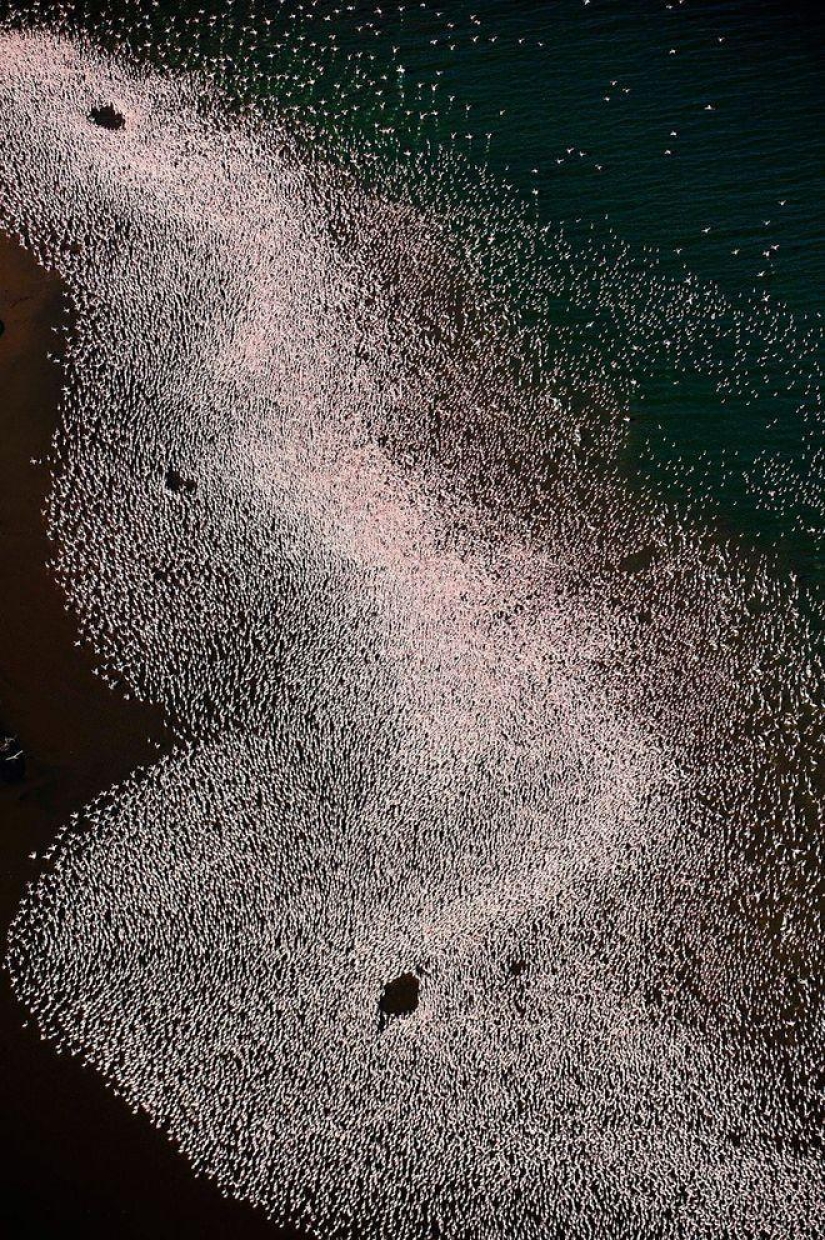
point(76, 1159)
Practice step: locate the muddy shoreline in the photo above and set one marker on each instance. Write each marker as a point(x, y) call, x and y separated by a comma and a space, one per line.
point(76, 1160)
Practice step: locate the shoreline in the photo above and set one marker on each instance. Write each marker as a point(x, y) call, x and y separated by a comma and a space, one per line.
point(76, 1157)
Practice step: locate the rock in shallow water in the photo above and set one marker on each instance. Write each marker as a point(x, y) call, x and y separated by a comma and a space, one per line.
point(107, 117)
point(400, 998)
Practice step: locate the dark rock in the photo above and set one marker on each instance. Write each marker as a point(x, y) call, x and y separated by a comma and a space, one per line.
point(176, 483)
point(12, 760)
point(516, 967)
point(400, 998)
point(107, 117)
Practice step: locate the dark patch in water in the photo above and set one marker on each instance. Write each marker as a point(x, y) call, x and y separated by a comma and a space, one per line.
point(107, 117)
point(400, 998)
point(638, 561)
point(176, 483)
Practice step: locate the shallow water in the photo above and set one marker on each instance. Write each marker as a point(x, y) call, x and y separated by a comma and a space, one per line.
point(693, 130)
point(460, 622)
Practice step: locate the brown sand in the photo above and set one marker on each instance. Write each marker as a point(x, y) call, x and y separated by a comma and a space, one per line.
point(77, 1162)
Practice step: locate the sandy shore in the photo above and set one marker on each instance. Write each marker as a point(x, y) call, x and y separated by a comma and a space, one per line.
point(77, 1161)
